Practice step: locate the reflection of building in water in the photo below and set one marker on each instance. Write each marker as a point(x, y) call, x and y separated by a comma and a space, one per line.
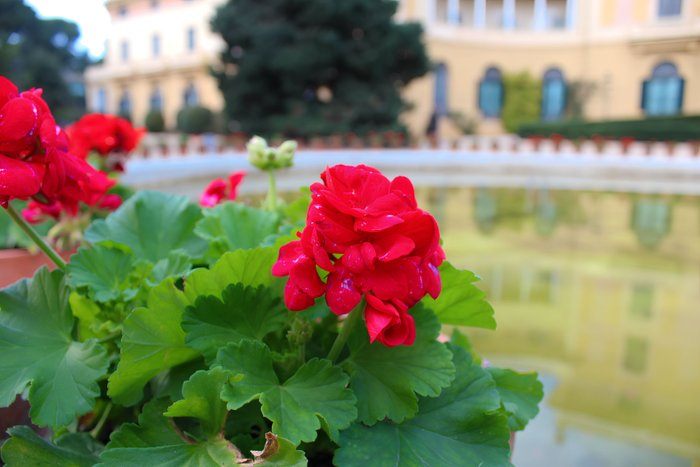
point(617, 322)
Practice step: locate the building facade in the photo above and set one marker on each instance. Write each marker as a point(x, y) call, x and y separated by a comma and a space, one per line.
point(617, 58)
point(158, 57)
point(623, 58)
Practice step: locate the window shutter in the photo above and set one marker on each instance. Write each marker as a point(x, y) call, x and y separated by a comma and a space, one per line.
point(679, 104)
point(645, 89)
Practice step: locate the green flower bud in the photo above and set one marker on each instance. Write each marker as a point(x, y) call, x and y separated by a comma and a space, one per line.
point(285, 153)
point(258, 152)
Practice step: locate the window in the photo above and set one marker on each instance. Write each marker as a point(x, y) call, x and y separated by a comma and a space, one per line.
point(122, 10)
point(125, 105)
point(636, 354)
point(125, 51)
point(190, 97)
point(155, 45)
point(553, 95)
point(441, 90)
point(154, 4)
point(101, 100)
point(669, 8)
point(191, 39)
point(491, 93)
point(156, 100)
point(662, 93)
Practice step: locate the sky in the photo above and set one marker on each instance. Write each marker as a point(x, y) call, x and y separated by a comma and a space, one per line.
point(90, 15)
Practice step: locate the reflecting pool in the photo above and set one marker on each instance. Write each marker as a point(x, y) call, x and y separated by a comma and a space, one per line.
point(600, 293)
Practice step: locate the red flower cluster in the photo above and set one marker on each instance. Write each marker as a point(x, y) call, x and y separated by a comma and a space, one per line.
point(218, 190)
point(112, 137)
point(369, 235)
point(34, 157)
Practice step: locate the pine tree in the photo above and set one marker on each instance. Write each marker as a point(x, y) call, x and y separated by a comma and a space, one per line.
point(316, 67)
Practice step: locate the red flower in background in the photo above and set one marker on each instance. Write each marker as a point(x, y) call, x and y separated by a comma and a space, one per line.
point(220, 190)
point(370, 236)
point(110, 136)
point(34, 158)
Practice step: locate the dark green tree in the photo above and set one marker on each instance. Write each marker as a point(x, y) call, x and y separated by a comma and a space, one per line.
point(316, 67)
point(36, 53)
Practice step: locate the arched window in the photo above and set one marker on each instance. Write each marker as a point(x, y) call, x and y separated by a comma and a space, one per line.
point(441, 108)
point(662, 93)
point(190, 97)
point(553, 95)
point(155, 45)
point(156, 99)
point(491, 93)
point(125, 104)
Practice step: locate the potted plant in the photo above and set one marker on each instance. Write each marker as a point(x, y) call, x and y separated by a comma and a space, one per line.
point(286, 334)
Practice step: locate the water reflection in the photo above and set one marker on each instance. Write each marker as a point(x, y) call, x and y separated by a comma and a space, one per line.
point(601, 291)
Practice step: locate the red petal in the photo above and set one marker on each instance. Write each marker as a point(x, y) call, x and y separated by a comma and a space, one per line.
point(19, 179)
point(7, 90)
point(18, 121)
point(404, 188)
point(295, 299)
point(378, 316)
point(377, 224)
point(342, 294)
point(393, 247)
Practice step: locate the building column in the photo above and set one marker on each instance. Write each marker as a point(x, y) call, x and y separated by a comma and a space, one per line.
point(453, 11)
point(570, 14)
point(540, 22)
point(479, 14)
point(430, 10)
point(508, 14)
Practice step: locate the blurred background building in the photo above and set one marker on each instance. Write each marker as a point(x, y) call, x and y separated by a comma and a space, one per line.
point(599, 59)
point(158, 57)
point(594, 59)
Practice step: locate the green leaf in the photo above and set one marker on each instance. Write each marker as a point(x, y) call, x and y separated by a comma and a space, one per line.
point(463, 426)
point(386, 379)
point(278, 452)
point(152, 341)
point(315, 395)
point(177, 264)
point(26, 448)
point(104, 271)
point(459, 339)
point(461, 303)
point(151, 225)
point(154, 442)
point(233, 226)
point(520, 393)
point(202, 400)
point(37, 349)
point(86, 311)
point(248, 267)
point(153, 429)
point(295, 212)
point(245, 312)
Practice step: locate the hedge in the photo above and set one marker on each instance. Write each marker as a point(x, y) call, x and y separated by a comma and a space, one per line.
point(679, 128)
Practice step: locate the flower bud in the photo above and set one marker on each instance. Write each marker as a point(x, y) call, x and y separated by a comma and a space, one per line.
point(257, 152)
point(285, 153)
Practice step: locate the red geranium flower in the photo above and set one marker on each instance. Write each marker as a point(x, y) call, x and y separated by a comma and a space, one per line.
point(369, 235)
point(110, 136)
point(219, 190)
point(34, 157)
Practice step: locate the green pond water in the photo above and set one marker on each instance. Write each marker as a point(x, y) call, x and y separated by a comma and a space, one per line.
point(600, 293)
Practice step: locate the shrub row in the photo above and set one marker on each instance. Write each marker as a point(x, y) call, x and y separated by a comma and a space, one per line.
point(680, 128)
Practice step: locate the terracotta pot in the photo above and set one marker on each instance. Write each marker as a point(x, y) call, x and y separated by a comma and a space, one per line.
point(16, 264)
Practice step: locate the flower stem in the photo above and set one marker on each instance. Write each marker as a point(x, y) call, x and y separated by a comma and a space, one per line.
point(349, 324)
point(95, 432)
point(271, 201)
point(45, 247)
